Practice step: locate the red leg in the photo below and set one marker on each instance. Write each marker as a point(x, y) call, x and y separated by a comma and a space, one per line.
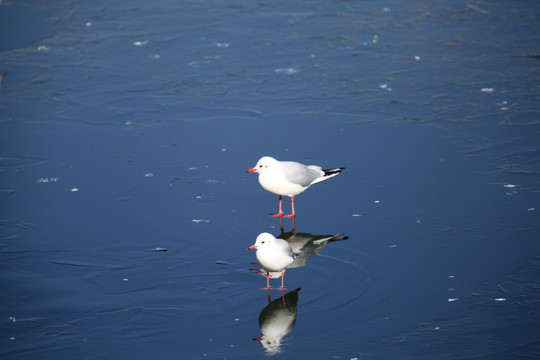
point(282, 287)
point(293, 214)
point(267, 282)
point(280, 213)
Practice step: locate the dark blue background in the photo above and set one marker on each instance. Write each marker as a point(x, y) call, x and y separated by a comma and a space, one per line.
point(127, 127)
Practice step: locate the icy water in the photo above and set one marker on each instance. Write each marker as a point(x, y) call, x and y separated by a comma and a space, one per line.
point(126, 129)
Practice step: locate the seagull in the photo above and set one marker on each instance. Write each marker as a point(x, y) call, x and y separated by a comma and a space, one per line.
point(289, 178)
point(273, 255)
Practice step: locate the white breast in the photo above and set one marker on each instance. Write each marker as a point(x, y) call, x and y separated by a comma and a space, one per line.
point(276, 183)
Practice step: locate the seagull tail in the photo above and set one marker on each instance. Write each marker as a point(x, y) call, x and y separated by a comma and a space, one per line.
point(328, 173)
point(332, 172)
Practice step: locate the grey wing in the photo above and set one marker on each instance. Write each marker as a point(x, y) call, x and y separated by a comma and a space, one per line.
point(301, 174)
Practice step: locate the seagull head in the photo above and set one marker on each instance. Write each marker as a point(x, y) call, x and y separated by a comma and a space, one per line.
point(262, 164)
point(262, 240)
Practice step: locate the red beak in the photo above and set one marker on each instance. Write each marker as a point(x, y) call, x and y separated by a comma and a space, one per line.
point(252, 247)
point(251, 170)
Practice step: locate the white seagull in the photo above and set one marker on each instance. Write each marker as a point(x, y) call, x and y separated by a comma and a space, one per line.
point(289, 178)
point(273, 255)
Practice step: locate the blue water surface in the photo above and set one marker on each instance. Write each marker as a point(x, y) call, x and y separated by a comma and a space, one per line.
point(126, 131)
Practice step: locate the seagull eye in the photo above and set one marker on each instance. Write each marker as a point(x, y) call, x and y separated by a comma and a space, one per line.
point(260, 166)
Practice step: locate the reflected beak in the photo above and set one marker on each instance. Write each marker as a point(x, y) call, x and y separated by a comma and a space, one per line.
point(252, 247)
point(257, 339)
point(251, 170)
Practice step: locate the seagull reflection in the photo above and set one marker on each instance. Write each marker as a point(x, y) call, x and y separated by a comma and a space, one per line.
point(293, 224)
point(276, 320)
point(304, 245)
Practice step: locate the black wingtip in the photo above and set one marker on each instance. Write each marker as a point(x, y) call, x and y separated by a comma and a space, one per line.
point(328, 172)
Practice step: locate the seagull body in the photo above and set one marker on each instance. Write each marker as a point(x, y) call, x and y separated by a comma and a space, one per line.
point(273, 255)
point(289, 178)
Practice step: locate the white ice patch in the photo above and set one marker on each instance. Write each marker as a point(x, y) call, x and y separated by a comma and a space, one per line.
point(140, 43)
point(286, 71)
point(48, 180)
